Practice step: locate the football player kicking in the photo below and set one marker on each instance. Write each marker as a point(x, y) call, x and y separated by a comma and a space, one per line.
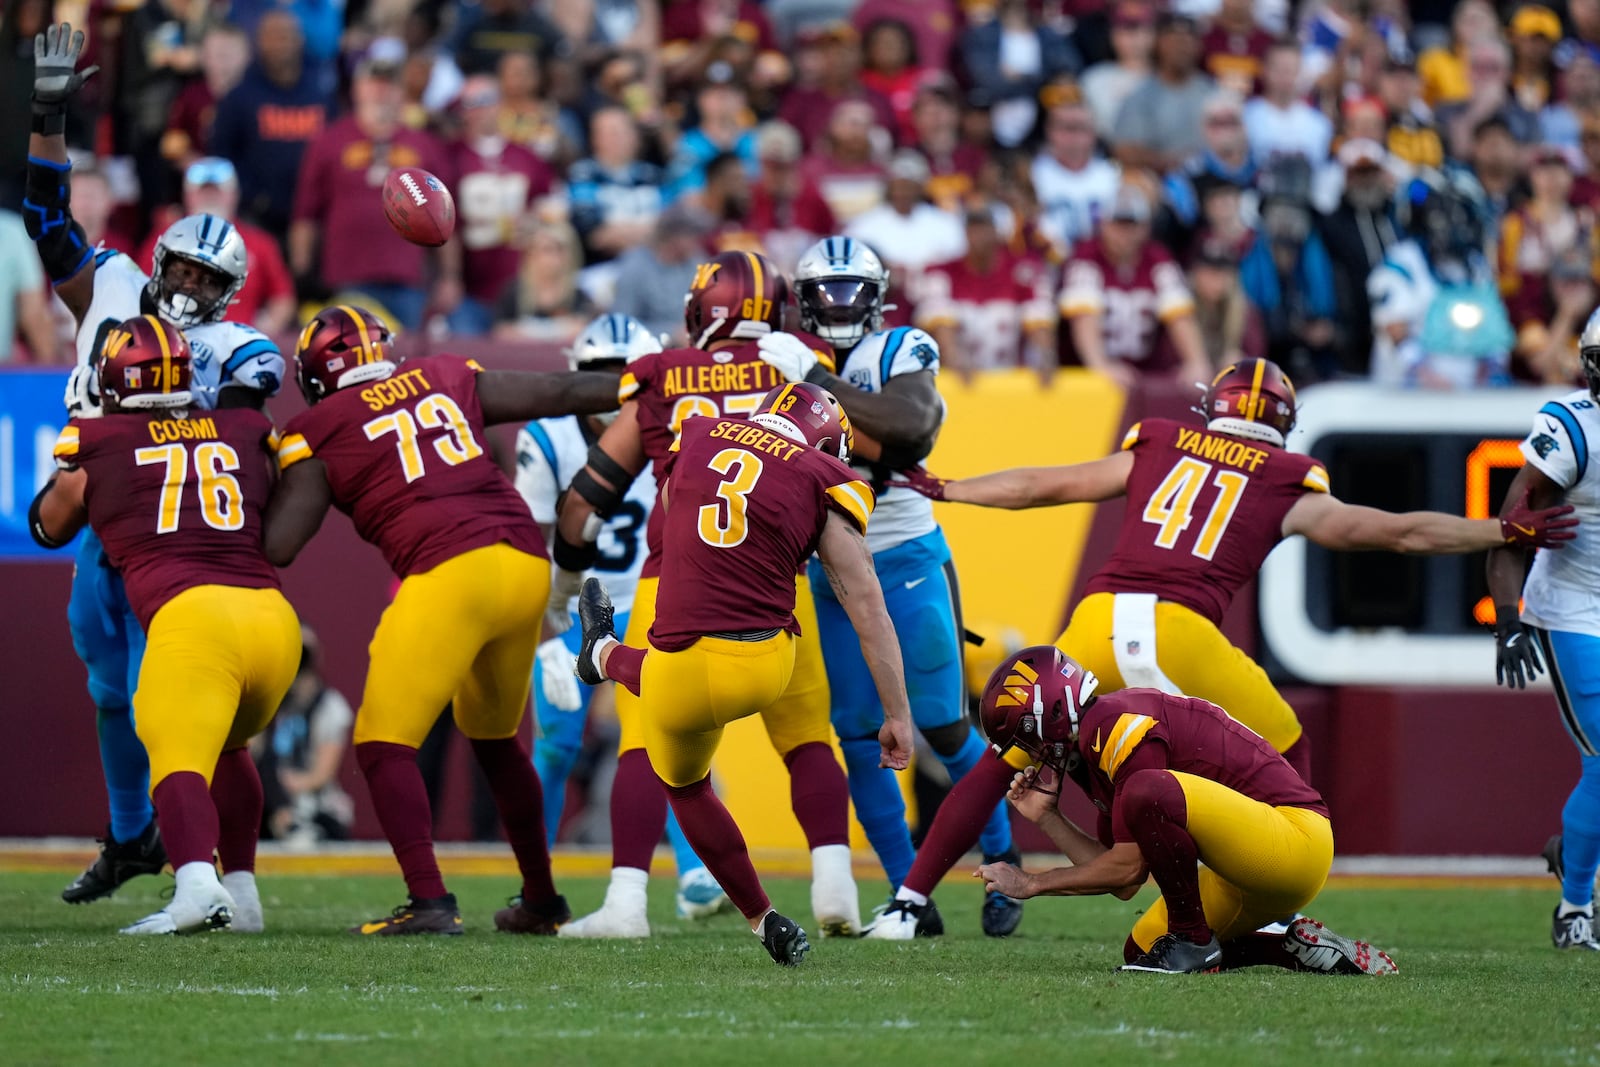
point(1560, 613)
point(200, 266)
point(736, 299)
point(1205, 506)
point(401, 450)
point(886, 383)
point(1178, 783)
point(745, 504)
point(549, 453)
point(177, 496)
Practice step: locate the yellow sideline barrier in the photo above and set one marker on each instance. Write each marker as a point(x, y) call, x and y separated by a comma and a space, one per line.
point(1015, 568)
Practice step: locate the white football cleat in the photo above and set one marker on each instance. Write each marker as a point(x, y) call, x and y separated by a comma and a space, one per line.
point(623, 912)
point(834, 900)
point(241, 886)
point(896, 922)
point(700, 897)
point(201, 903)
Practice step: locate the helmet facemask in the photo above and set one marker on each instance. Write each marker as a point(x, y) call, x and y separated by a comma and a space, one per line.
point(841, 310)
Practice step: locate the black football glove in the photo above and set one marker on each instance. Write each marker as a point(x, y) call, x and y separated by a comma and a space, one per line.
point(56, 77)
point(1516, 653)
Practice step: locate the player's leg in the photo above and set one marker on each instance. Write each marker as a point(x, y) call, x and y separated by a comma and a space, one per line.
point(488, 709)
point(101, 628)
point(444, 612)
point(560, 738)
point(1573, 660)
point(857, 716)
point(188, 695)
point(819, 793)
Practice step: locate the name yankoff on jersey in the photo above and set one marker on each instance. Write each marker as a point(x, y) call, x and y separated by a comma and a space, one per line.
point(720, 378)
point(1220, 449)
point(165, 430)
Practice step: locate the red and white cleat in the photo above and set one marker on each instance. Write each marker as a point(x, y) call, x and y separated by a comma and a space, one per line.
point(1320, 949)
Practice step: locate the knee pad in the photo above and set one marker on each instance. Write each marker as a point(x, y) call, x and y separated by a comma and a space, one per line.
point(949, 739)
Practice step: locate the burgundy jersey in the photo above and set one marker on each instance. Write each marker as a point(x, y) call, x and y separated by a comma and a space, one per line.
point(1137, 729)
point(494, 191)
point(176, 502)
point(1132, 302)
point(407, 462)
point(990, 310)
point(1204, 509)
point(1235, 59)
point(671, 386)
point(744, 509)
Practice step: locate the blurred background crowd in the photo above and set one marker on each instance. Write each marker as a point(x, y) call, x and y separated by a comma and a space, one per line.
point(1355, 188)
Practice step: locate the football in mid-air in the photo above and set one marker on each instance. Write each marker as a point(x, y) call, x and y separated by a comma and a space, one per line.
point(418, 206)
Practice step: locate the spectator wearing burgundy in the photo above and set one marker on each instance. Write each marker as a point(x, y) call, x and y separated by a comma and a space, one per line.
point(892, 69)
point(1122, 292)
point(1279, 122)
point(1534, 32)
point(724, 125)
point(267, 301)
point(339, 241)
point(1106, 85)
point(956, 165)
point(933, 25)
point(696, 33)
point(224, 57)
point(1535, 236)
point(1008, 59)
point(615, 195)
point(836, 57)
point(1158, 126)
point(1234, 48)
point(1074, 183)
point(265, 123)
point(1586, 186)
point(497, 183)
point(989, 310)
point(786, 213)
point(844, 168)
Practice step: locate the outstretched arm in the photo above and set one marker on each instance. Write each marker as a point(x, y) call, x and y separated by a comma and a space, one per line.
point(64, 249)
point(1030, 487)
point(1333, 524)
point(521, 396)
point(904, 419)
point(296, 511)
point(848, 564)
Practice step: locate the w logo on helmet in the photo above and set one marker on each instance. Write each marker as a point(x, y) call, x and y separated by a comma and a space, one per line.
point(704, 274)
point(1017, 690)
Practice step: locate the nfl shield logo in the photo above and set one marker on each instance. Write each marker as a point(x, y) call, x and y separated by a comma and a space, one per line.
point(1133, 648)
point(131, 377)
point(816, 407)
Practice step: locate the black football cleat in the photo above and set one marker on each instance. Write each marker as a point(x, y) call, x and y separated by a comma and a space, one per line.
point(1322, 951)
point(1002, 914)
point(1171, 954)
point(596, 618)
point(541, 920)
point(1573, 930)
point(117, 863)
point(783, 939)
point(438, 915)
point(1552, 858)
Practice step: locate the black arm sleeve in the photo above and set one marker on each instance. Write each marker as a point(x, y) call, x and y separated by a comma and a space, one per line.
point(36, 522)
point(63, 246)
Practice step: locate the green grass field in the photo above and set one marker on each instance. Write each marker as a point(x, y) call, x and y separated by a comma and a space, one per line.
point(1479, 983)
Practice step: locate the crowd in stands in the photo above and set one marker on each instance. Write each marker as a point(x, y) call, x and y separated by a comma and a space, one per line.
point(1142, 187)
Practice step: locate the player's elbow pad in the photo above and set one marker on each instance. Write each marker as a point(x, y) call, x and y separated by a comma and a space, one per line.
point(602, 497)
point(64, 248)
point(36, 529)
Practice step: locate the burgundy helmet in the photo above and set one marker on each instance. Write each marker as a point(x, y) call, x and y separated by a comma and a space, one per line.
point(1252, 398)
point(1034, 701)
point(341, 346)
point(809, 414)
point(145, 363)
point(735, 296)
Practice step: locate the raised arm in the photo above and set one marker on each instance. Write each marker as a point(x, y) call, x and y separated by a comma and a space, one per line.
point(848, 565)
point(1333, 524)
point(1029, 487)
point(522, 396)
point(295, 513)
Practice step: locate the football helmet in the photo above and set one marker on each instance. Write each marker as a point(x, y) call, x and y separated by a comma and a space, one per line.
point(841, 285)
point(735, 296)
point(1253, 399)
point(211, 242)
point(1034, 701)
point(807, 414)
point(611, 340)
point(144, 365)
point(341, 346)
point(1589, 353)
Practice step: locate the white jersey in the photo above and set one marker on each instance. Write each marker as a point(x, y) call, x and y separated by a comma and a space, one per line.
point(1560, 593)
point(224, 353)
point(1072, 203)
point(901, 515)
point(549, 453)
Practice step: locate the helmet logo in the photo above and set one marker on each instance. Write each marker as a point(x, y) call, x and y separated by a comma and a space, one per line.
point(703, 274)
point(116, 341)
point(1018, 687)
point(816, 407)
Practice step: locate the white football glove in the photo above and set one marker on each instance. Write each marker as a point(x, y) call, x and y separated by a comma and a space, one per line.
point(82, 395)
point(564, 585)
point(788, 355)
point(558, 681)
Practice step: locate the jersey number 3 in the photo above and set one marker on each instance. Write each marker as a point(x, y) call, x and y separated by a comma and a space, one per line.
point(221, 502)
point(435, 412)
point(1171, 506)
point(741, 470)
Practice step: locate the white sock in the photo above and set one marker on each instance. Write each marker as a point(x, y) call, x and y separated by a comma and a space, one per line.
point(831, 860)
point(761, 923)
point(627, 882)
point(1568, 907)
point(236, 882)
point(912, 895)
point(594, 656)
point(196, 877)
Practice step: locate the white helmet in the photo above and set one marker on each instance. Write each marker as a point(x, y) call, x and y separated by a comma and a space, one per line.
point(1589, 353)
point(608, 341)
point(841, 284)
point(214, 243)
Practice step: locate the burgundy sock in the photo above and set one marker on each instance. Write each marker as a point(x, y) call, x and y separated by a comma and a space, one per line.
point(716, 840)
point(1299, 757)
point(959, 822)
point(401, 801)
point(1258, 950)
point(623, 666)
point(638, 811)
point(520, 800)
point(188, 818)
point(819, 794)
point(1152, 805)
point(236, 792)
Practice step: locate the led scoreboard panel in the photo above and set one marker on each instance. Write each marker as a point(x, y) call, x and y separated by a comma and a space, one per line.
point(1375, 618)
